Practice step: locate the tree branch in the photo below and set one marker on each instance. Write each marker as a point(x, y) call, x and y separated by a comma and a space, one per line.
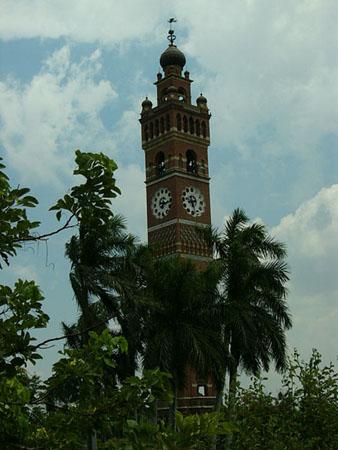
point(47, 235)
point(78, 333)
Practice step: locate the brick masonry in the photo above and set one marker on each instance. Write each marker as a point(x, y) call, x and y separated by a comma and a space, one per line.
point(172, 130)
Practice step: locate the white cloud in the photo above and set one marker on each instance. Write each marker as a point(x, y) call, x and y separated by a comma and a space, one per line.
point(271, 64)
point(310, 234)
point(132, 203)
point(42, 122)
point(106, 21)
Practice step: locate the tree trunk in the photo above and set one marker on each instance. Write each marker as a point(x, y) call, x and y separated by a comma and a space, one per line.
point(219, 400)
point(173, 408)
point(232, 388)
point(92, 443)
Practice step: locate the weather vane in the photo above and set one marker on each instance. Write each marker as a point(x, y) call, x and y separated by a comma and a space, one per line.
point(171, 37)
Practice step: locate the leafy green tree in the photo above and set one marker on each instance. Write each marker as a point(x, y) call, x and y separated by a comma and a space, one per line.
point(81, 398)
point(15, 227)
point(254, 314)
point(303, 416)
point(103, 260)
point(98, 271)
point(180, 322)
point(20, 314)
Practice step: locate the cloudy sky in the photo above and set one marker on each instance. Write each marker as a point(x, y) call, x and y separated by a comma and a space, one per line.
point(73, 75)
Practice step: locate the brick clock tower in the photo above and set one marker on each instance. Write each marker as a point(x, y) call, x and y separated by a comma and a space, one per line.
point(175, 139)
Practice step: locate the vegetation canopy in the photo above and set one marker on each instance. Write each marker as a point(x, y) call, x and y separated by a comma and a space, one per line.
point(164, 313)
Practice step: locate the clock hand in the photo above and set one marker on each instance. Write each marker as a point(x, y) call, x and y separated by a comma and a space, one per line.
point(192, 201)
point(163, 202)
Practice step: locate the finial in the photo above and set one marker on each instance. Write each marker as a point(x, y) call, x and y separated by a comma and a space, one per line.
point(171, 37)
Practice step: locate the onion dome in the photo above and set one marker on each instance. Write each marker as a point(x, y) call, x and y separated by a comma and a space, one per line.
point(201, 100)
point(146, 105)
point(172, 56)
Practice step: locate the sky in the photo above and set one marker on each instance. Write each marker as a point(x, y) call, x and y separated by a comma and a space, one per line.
point(74, 74)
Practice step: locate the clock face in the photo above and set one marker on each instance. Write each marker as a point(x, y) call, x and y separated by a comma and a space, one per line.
point(193, 201)
point(161, 203)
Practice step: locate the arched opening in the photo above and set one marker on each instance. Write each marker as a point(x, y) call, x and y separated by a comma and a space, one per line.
point(185, 124)
point(191, 162)
point(164, 95)
point(160, 164)
point(204, 130)
point(162, 125)
point(203, 171)
point(202, 390)
point(179, 122)
point(181, 94)
point(198, 127)
point(146, 133)
point(191, 126)
point(151, 130)
point(157, 127)
point(167, 122)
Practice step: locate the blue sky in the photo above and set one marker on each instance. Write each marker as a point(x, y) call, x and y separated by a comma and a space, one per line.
point(73, 75)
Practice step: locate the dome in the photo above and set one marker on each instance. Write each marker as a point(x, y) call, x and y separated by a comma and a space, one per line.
point(172, 56)
point(201, 99)
point(147, 103)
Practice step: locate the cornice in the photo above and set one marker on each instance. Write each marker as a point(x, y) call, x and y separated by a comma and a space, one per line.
point(174, 221)
point(176, 173)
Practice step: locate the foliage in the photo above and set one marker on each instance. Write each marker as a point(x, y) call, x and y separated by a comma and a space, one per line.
point(254, 314)
point(20, 314)
point(181, 321)
point(176, 309)
point(195, 432)
point(303, 416)
point(81, 397)
point(90, 202)
point(15, 226)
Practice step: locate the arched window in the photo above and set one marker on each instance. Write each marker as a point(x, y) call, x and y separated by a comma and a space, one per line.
point(202, 390)
point(185, 124)
point(162, 125)
point(179, 122)
point(181, 94)
point(204, 130)
point(198, 127)
point(203, 167)
point(191, 161)
point(151, 130)
point(164, 95)
point(167, 122)
point(157, 127)
point(146, 134)
point(160, 164)
point(191, 125)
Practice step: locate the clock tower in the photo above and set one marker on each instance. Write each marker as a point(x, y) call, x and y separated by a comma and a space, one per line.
point(175, 140)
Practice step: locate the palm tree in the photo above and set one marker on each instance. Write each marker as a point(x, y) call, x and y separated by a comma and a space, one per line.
point(103, 277)
point(254, 317)
point(180, 322)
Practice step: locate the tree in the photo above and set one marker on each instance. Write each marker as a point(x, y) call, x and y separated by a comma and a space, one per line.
point(302, 416)
point(180, 322)
point(103, 260)
point(78, 396)
point(253, 274)
point(15, 227)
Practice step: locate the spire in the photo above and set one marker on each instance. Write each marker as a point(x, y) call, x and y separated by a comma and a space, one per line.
point(172, 56)
point(171, 37)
